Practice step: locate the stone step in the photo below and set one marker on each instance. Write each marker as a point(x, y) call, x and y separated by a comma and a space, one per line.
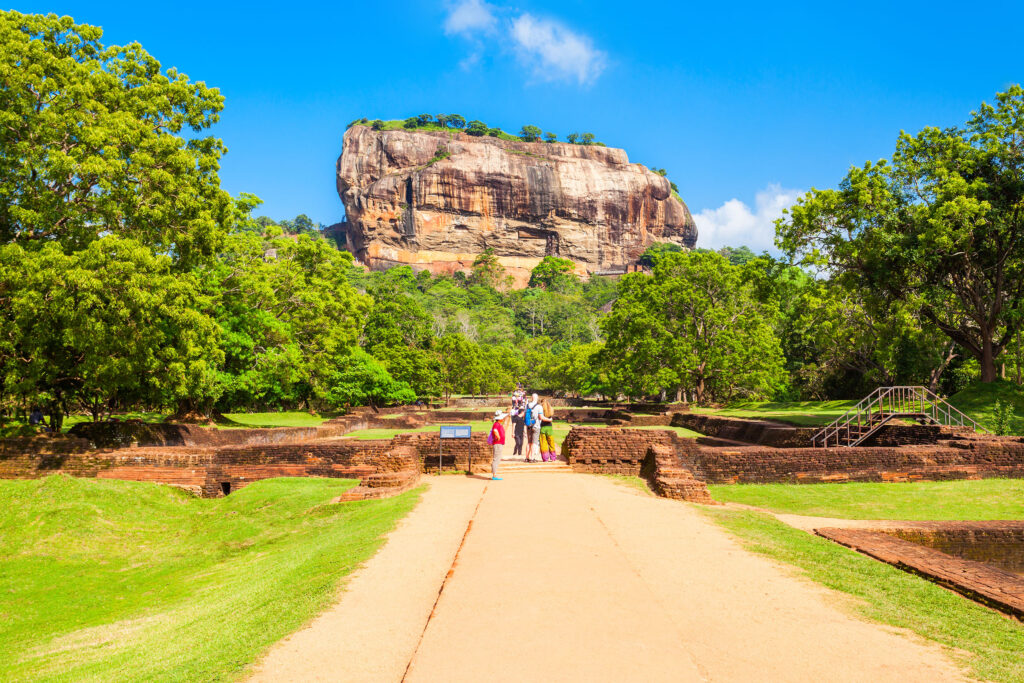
point(520, 466)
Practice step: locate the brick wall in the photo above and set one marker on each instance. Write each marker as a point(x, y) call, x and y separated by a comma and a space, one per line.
point(667, 477)
point(764, 433)
point(986, 582)
point(612, 450)
point(456, 453)
point(995, 458)
point(621, 451)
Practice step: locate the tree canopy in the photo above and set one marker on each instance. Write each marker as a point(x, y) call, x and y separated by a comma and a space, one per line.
point(98, 139)
point(940, 226)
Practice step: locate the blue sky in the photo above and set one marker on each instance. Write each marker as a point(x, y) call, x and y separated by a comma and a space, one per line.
point(744, 103)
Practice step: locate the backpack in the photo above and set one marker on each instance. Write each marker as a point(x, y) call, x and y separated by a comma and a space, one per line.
point(528, 418)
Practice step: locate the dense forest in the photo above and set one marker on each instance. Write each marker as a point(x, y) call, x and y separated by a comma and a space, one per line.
point(130, 279)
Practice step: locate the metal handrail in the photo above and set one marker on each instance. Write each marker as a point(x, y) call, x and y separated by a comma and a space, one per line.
point(885, 403)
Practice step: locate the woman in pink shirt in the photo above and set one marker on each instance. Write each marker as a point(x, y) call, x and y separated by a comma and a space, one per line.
point(497, 439)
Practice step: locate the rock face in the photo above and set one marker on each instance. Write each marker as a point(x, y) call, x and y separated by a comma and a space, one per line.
point(435, 200)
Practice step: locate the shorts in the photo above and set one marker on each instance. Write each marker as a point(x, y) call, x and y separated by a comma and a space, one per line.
point(535, 435)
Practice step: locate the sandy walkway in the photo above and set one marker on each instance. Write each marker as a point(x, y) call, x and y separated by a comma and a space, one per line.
point(573, 577)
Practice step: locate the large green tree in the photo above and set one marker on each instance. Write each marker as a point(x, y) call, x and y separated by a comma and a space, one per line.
point(110, 324)
point(940, 226)
point(693, 324)
point(290, 317)
point(100, 140)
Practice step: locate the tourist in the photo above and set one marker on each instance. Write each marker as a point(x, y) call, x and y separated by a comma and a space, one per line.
point(518, 429)
point(534, 412)
point(36, 418)
point(547, 432)
point(497, 439)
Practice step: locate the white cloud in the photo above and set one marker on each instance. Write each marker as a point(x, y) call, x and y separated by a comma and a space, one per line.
point(555, 52)
point(467, 16)
point(735, 224)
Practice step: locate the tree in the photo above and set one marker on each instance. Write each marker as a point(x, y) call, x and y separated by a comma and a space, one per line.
point(587, 138)
point(377, 124)
point(360, 379)
point(477, 128)
point(494, 132)
point(289, 316)
point(488, 271)
point(99, 140)
point(737, 256)
point(530, 133)
point(442, 120)
point(693, 324)
point(300, 225)
point(411, 122)
point(424, 119)
point(456, 121)
point(550, 137)
point(573, 138)
point(460, 366)
point(654, 252)
point(554, 273)
point(109, 323)
point(941, 226)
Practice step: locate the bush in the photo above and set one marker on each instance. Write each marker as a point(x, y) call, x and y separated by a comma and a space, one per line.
point(477, 128)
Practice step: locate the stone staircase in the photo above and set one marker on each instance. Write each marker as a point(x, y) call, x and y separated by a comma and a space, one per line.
point(519, 465)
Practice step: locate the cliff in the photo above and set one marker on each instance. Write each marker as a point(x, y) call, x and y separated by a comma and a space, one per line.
point(436, 199)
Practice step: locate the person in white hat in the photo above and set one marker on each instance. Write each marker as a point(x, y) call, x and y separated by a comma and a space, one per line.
point(497, 439)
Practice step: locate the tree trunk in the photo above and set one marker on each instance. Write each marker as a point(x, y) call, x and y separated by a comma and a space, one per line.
point(988, 361)
point(1019, 359)
point(933, 383)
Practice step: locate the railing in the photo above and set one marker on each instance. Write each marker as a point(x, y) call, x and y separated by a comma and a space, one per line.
point(888, 403)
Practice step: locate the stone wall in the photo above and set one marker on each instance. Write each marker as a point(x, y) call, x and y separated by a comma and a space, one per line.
point(988, 584)
point(468, 455)
point(995, 458)
point(666, 477)
point(613, 450)
point(621, 451)
point(777, 435)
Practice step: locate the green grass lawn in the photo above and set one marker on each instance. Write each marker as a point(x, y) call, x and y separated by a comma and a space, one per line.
point(979, 401)
point(114, 580)
point(282, 419)
point(989, 644)
point(801, 413)
point(972, 500)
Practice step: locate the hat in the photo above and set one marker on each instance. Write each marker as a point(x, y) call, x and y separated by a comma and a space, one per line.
point(500, 414)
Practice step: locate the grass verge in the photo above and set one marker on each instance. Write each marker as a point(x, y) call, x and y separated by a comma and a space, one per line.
point(800, 413)
point(979, 401)
point(967, 500)
point(281, 419)
point(988, 644)
point(113, 580)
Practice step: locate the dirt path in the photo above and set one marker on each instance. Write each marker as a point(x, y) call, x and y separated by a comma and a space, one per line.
point(574, 577)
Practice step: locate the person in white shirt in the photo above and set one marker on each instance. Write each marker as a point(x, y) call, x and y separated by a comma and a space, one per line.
point(536, 413)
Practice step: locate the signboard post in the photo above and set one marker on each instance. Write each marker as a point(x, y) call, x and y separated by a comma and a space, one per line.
point(454, 432)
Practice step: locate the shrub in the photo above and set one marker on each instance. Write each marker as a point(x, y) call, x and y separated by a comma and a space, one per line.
point(476, 128)
point(530, 133)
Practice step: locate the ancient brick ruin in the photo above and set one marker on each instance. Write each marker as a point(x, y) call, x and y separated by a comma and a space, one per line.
point(982, 560)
